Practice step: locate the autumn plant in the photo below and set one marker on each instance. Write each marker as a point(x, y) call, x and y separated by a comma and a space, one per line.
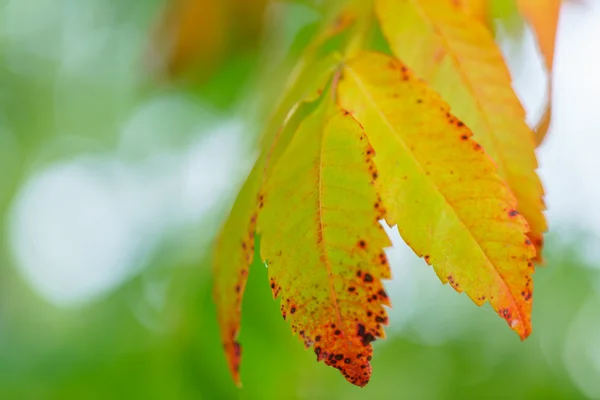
point(399, 111)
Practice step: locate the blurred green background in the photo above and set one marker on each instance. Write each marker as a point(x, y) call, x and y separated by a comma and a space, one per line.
point(115, 179)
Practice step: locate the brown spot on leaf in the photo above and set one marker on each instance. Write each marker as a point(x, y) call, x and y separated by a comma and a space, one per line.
point(361, 330)
point(366, 339)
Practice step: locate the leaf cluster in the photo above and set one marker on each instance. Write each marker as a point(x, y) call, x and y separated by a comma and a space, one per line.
point(401, 111)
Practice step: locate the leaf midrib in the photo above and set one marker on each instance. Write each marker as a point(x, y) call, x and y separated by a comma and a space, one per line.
point(323, 246)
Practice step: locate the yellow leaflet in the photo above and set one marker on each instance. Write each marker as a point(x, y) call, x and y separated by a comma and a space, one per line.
point(441, 189)
point(543, 16)
point(323, 244)
point(458, 57)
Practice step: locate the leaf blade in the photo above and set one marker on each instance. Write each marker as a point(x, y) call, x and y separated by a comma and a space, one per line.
point(440, 187)
point(317, 260)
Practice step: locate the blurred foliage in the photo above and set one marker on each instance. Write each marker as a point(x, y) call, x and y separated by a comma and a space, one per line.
point(70, 81)
point(106, 350)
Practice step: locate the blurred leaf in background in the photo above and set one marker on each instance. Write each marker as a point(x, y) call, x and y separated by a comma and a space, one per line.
point(200, 34)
